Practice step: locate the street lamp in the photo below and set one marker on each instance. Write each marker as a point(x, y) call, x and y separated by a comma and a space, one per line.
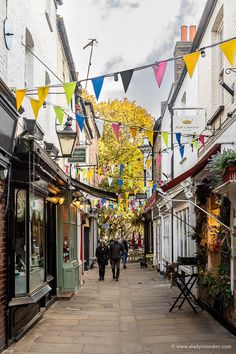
point(67, 138)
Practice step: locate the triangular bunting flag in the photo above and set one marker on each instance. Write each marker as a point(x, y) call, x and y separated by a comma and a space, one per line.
point(158, 160)
point(149, 164)
point(42, 94)
point(59, 113)
point(201, 139)
point(20, 94)
point(154, 187)
point(126, 77)
point(131, 183)
point(104, 170)
point(133, 132)
point(159, 71)
point(178, 138)
point(151, 184)
point(116, 129)
point(135, 191)
point(120, 182)
point(121, 168)
point(229, 50)
point(69, 89)
point(97, 85)
point(126, 195)
point(110, 179)
point(195, 144)
point(35, 107)
point(181, 150)
point(150, 136)
point(165, 137)
point(103, 201)
point(99, 171)
point(84, 173)
point(100, 125)
point(191, 62)
point(80, 120)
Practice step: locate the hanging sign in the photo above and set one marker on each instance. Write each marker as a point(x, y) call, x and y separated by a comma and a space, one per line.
point(185, 123)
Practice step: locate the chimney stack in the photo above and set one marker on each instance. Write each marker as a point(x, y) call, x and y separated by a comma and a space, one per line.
point(183, 47)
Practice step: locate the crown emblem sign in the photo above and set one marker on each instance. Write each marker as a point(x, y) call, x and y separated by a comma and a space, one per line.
point(186, 121)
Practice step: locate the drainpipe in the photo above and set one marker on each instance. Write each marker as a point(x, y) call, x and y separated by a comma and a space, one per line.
point(170, 107)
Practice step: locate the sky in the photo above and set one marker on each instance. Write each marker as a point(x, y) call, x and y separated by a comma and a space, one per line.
point(130, 33)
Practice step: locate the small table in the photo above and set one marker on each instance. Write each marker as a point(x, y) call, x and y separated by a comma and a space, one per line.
point(185, 283)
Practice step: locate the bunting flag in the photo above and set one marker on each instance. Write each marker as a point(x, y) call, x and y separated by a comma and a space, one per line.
point(178, 138)
point(80, 120)
point(126, 77)
point(154, 187)
point(20, 95)
point(135, 191)
point(149, 164)
point(78, 172)
point(159, 71)
point(104, 170)
point(126, 195)
point(67, 169)
point(158, 160)
point(151, 184)
point(110, 179)
point(116, 129)
point(99, 179)
point(229, 50)
point(100, 125)
point(165, 137)
point(201, 139)
point(112, 168)
point(144, 189)
point(59, 113)
point(99, 171)
point(150, 136)
point(69, 88)
point(133, 132)
point(35, 107)
point(90, 175)
point(181, 150)
point(120, 182)
point(195, 144)
point(100, 204)
point(141, 184)
point(84, 173)
point(95, 201)
point(42, 94)
point(103, 201)
point(131, 183)
point(97, 85)
point(191, 62)
point(121, 168)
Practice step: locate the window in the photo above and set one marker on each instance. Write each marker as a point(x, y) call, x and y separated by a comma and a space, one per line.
point(37, 242)
point(20, 241)
point(166, 237)
point(69, 219)
point(185, 243)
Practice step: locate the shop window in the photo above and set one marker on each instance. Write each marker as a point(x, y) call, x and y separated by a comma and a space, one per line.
point(20, 241)
point(37, 242)
point(185, 243)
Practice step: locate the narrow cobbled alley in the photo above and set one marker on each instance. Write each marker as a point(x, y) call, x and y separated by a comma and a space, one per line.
point(128, 316)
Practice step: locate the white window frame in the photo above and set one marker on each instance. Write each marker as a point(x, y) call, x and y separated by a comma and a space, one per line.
point(166, 237)
point(185, 244)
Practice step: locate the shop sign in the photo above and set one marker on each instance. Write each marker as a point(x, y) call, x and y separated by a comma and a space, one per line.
point(188, 123)
point(79, 155)
point(141, 196)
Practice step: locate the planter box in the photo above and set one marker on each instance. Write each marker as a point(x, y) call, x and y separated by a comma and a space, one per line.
point(230, 174)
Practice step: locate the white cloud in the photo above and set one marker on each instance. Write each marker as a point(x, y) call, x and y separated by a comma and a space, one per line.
point(130, 33)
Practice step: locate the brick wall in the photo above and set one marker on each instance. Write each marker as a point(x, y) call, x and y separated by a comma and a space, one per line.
point(181, 48)
point(2, 270)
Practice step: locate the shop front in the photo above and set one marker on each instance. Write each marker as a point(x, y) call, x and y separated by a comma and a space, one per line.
point(37, 184)
point(8, 116)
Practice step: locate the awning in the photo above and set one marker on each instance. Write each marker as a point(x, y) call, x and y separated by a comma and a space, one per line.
point(192, 171)
point(94, 191)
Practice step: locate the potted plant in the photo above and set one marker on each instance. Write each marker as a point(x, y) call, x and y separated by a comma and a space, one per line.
point(223, 165)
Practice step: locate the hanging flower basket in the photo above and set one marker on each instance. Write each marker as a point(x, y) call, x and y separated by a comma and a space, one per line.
point(230, 174)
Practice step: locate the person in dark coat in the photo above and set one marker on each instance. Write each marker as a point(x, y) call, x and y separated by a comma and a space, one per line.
point(125, 254)
point(116, 252)
point(102, 259)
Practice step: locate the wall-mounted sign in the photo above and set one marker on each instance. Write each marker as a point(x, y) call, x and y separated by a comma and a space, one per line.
point(141, 196)
point(79, 155)
point(188, 123)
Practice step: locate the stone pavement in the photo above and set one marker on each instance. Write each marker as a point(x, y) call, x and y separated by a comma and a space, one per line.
point(124, 317)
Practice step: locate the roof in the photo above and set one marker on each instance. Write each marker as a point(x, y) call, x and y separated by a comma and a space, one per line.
point(94, 191)
point(65, 42)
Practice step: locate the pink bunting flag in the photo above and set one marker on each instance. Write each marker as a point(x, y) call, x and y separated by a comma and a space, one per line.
point(201, 138)
point(116, 129)
point(158, 160)
point(159, 71)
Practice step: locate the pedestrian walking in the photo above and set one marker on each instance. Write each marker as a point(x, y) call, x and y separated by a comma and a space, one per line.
point(116, 252)
point(125, 253)
point(102, 259)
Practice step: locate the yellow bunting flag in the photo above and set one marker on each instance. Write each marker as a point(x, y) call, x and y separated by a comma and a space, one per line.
point(229, 50)
point(42, 93)
point(131, 183)
point(35, 107)
point(126, 195)
point(90, 175)
point(20, 94)
point(191, 62)
point(150, 136)
point(165, 137)
point(69, 89)
point(59, 113)
point(133, 132)
point(149, 163)
point(151, 184)
point(144, 189)
point(99, 171)
point(135, 191)
point(141, 184)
